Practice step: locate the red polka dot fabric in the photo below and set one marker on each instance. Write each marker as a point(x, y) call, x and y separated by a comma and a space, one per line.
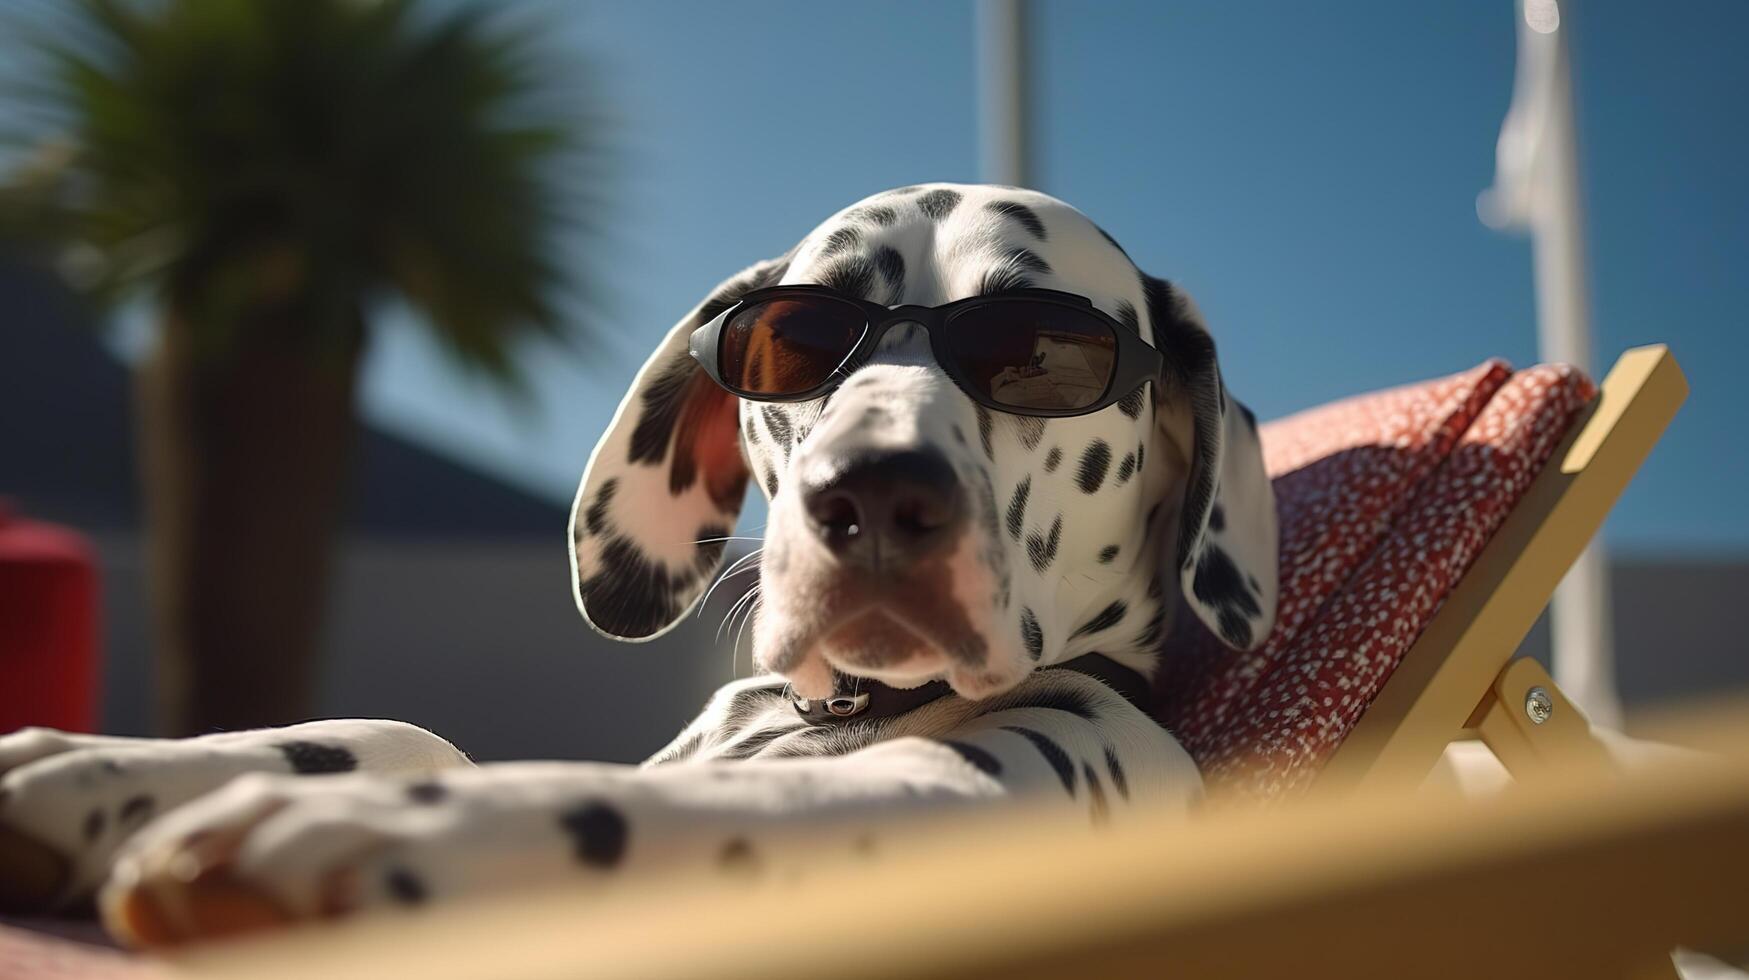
point(1384, 502)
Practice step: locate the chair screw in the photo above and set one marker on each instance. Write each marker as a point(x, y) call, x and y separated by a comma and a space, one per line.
point(1538, 705)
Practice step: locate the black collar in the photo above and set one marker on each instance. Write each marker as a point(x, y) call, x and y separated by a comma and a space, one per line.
point(860, 698)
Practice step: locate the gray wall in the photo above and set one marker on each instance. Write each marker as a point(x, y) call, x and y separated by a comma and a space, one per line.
point(478, 641)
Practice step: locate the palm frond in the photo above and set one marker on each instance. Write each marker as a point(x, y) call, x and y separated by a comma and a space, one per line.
point(314, 155)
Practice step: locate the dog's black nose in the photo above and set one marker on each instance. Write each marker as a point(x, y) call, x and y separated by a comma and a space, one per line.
point(885, 509)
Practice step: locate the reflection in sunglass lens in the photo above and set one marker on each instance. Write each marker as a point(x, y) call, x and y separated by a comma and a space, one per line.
point(786, 346)
point(1033, 355)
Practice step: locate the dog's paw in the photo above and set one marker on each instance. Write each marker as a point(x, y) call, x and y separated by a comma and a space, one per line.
point(269, 850)
point(28, 745)
point(66, 808)
point(272, 850)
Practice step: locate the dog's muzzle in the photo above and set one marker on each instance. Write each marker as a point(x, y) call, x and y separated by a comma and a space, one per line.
point(886, 510)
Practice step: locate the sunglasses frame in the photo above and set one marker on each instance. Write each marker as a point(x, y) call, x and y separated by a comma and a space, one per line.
point(1135, 360)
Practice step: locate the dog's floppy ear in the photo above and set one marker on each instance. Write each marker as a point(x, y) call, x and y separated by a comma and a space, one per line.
point(664, 486)
point(1227, 537)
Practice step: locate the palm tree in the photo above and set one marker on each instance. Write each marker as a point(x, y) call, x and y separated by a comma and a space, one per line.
point(270, 173)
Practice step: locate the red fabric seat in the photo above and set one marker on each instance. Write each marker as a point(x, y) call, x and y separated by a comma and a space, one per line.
point(1384, 502)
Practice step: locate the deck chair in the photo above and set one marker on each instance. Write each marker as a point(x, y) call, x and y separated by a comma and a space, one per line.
point(1423, 531)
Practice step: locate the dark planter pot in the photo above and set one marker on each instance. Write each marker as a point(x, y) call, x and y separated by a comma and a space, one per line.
point(243, 457)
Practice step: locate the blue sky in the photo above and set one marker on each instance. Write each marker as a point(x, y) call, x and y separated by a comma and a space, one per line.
point(1307, 171)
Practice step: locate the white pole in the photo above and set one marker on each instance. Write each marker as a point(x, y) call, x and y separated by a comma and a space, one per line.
point(1537, 187)
point(1003, 111)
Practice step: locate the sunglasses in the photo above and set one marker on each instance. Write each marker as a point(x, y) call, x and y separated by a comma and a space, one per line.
point(1027, 352)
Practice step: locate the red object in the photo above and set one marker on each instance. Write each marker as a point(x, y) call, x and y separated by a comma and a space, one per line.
point(48, 626)
point(1384, 501)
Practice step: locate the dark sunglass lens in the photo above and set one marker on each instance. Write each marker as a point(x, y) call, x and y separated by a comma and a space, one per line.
point(786, 346)
point(1031, 355)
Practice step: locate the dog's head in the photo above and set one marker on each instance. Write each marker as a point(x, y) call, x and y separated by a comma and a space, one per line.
point(984, 544)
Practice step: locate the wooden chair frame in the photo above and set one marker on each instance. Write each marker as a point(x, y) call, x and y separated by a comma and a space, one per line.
point(1456, 681)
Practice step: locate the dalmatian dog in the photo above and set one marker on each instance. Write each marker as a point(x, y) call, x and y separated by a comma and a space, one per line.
point(996, 454)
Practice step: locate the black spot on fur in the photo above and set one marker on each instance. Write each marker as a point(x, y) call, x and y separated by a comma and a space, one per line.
point(1053, 753)
point(136, 811)
point(1004, 278)
point(1053, 459)
point(1017, 508)
point(842, 240)
point(771, 483)
point(1108, 617)
point(1155, 628)
point(1042, 550)
point(1067, 700)
point(1217, 518)
point(1107, 554)
point(1126, 468)
point(1031, 634)
point(982, 760)
point(404, 887)
point(959, 435)
point(95, 821)
point(1219, 585)
point(1189, 350)
point(1095, 461)
point(985, 425)
point(598, 834)
point(1131, 404)
point(850, 276)
point(1126, 315)
point(1031, 429)
point(1119, 781)
point(1029, 260)
point(1141, 449)
point(938, 203)
point(737, 857)
point(307, 758)
point(892, 268)
point(711, 540)
point(1099, 809)
point(1021, 213)
point(595, 518)
point(876, 214)
point(631, 595)
point(778, 424)
point(661, 402)
point(427, 792)
point(1190, 363)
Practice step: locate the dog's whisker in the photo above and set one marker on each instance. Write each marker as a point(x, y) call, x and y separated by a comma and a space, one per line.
point(744, 598)
point(752, 610)
point(733, 569)
point(728, 537)
point(753, 555)
point(744, 601)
